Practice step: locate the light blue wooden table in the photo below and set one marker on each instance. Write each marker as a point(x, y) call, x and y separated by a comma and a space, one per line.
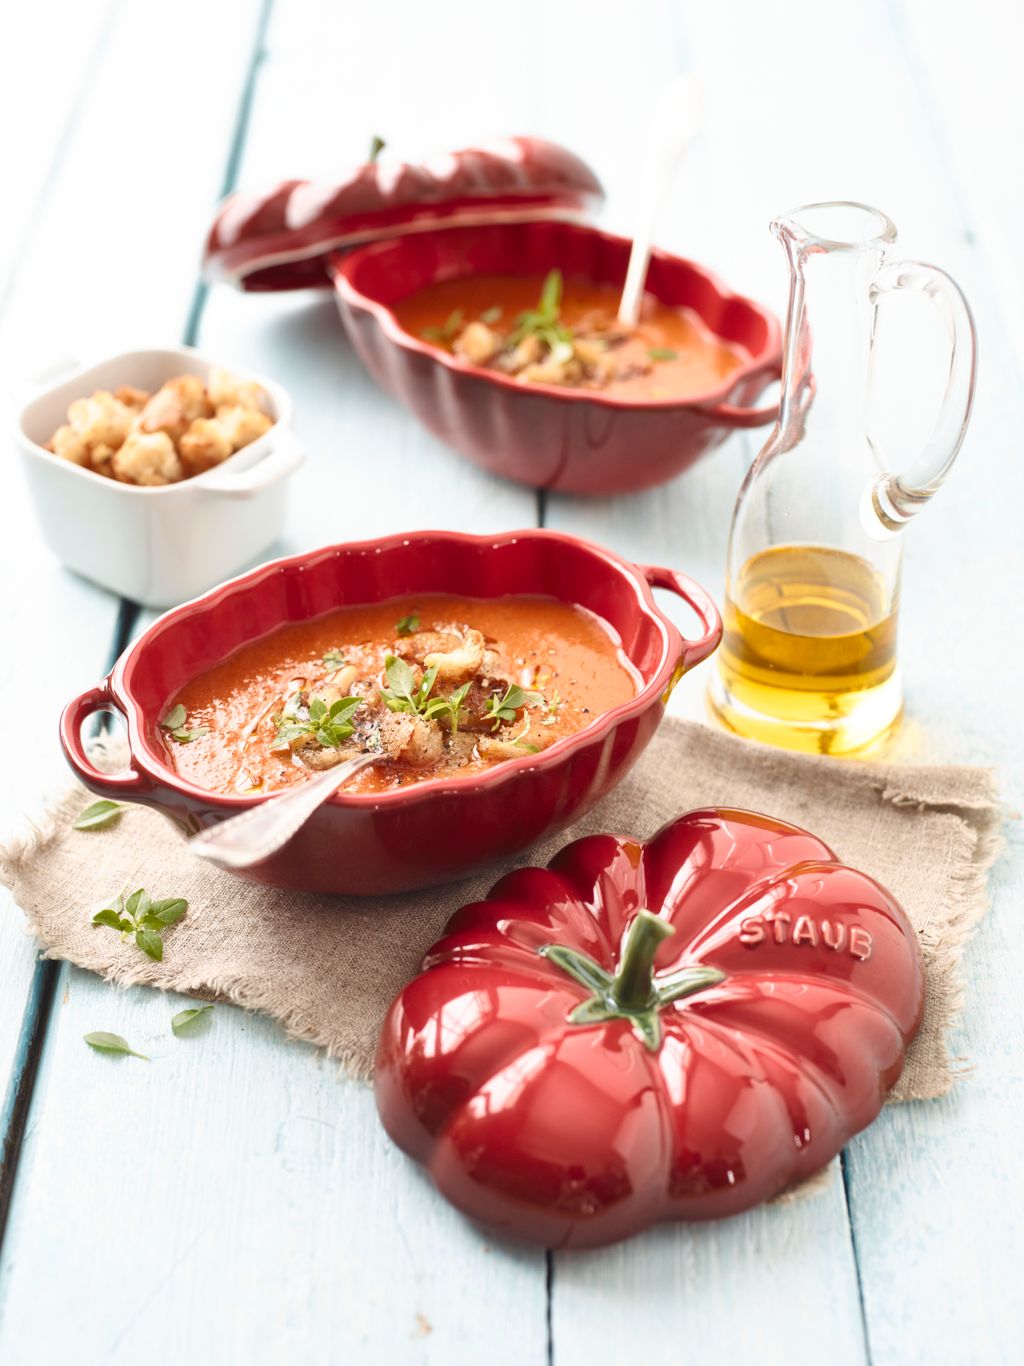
point(237, 1201)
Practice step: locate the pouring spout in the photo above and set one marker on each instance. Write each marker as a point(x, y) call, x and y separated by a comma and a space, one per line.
point(840, 225)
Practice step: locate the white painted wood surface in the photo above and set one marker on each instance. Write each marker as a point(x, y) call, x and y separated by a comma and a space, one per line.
point(253, 1186)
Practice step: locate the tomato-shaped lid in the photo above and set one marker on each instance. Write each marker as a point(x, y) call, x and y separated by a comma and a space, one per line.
point(642, 1032)
point(278, 237)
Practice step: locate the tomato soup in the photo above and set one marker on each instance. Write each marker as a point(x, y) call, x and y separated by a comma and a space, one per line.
point(435, 685)
point(541, 330)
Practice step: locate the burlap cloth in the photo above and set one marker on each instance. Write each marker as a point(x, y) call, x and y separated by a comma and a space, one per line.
point(327, 967)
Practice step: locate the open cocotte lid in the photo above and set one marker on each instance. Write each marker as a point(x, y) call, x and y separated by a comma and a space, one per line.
point(277, 237)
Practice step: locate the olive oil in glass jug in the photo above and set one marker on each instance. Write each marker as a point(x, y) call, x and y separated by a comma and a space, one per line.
point(808, 659)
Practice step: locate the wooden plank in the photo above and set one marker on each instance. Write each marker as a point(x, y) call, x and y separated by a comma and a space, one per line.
point(742, 1290)
point(932, 1185)
point(941, 43)
point(252, 1191)
point(41, 68)
point(48, 53)
point(372, 469)
point(929, 1184)
point(77, 239)
point(283, 1165)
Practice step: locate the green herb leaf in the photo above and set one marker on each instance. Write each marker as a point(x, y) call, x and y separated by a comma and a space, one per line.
point(138, 914)
point(544, 322)
point(333, 660)
point(662, 353)
point(184, 1020)
point(329, 725)
point(446, 334)
point(491, 315)
point(111, 1043)
point(184, 736)
point(174, 722)
point(530, 749)
point(108, 916)
point(150, 943)
point(402, 694)
point(551, 294)
point(137, 904)
point(98, 814)
point(450, 707)
point(169, 912)
point(406, 625)
point(499, 709)
point(377, 145)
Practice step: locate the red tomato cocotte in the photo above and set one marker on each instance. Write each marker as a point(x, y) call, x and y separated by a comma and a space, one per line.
point(642, 1032)
point(277, 237)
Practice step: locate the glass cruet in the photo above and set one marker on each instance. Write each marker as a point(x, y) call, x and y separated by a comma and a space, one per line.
point(808, 660)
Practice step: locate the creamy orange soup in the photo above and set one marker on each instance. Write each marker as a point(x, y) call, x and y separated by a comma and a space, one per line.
point(541, 330)
point(433, 685)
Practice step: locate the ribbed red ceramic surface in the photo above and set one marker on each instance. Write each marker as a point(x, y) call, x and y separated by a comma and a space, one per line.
point(778, 1015)
point(436, 830)
point(277, 237)
point(569, 440)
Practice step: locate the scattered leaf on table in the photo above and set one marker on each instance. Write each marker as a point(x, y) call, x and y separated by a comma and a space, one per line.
point(103, 1042)
point(184, 1020)
point(98, 814)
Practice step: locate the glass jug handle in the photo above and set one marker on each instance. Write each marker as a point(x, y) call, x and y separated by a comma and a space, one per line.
point(891, 501)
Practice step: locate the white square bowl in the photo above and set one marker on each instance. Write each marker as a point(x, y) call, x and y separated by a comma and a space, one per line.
point(157, 546)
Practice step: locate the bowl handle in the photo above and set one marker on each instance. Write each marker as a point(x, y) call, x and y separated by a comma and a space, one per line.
point(285, 456)
point(696, 598)
point(735, 415)
point(129, 785)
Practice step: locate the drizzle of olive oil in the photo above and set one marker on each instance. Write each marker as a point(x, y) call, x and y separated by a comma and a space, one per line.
point(808, 658)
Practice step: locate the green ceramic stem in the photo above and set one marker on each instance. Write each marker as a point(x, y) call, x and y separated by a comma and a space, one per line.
point(633, 994)
point(633, 986)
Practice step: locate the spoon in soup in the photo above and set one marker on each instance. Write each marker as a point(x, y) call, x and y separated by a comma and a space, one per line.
point(675, 126)
point(255, 834)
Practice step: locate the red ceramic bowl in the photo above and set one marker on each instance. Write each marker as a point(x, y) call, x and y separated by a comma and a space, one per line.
point(439, 829)
point(572, 441)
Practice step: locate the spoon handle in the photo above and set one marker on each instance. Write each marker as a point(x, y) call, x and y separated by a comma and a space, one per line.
point(675, 125)
point(253, 836)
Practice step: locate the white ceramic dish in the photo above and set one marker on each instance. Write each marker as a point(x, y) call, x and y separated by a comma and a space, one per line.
point(157, 546)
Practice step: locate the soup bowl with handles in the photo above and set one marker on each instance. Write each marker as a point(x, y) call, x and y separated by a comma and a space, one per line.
point(569, 440)
point(437, 829)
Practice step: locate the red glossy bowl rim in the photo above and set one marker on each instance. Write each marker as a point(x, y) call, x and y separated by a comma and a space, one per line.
point(340, 267)
point(119, 678)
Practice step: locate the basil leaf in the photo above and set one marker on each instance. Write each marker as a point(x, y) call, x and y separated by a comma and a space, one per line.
point(317, 710)
point(334, 659)
point(551, 294)
point(98, 814)
point(138, 903)
point(185, 737)
point(169, 912)
point(111, 1043)
point(185, 1019)
point(662, 353)
point(150, 943)
point(150, 922)
point(406, 625)
point(176, 717)
point(108, 916)
point(491, 315)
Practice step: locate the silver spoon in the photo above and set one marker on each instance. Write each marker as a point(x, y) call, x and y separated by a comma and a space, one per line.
point(253, 836)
